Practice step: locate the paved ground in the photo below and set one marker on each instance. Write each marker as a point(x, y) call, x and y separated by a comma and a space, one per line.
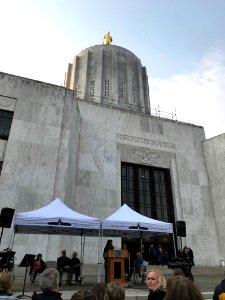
point(206, 278)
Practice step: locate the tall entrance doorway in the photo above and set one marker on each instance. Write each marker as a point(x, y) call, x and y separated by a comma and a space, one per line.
point(147, 190)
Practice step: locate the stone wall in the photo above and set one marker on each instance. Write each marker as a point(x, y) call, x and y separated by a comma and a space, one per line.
point(214, 150)
point(109, 136)
point(41, 155)
point(61, 147)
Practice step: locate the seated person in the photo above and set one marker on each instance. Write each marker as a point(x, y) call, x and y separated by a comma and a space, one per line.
point(6, 285)
point(139, 268)
point(38, 267)
point(74, 268)
point(63, 264)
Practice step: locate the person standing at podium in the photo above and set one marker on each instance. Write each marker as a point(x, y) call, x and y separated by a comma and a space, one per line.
point(108, 246)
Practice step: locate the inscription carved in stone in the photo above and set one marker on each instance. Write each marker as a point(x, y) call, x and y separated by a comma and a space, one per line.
point(130, 138)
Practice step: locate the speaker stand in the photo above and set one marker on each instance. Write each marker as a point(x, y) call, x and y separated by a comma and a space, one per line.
point(181, 243)
point(24, 283)
point(26, 262)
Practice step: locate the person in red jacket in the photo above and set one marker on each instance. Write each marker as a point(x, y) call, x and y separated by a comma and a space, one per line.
point(38, 267)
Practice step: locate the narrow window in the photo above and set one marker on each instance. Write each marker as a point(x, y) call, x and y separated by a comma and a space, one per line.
point(5, 123)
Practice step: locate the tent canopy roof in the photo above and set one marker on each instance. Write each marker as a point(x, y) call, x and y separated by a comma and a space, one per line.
point(125, 222)
point(56, 218)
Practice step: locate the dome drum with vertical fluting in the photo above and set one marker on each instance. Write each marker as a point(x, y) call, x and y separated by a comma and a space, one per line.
point(111, 75)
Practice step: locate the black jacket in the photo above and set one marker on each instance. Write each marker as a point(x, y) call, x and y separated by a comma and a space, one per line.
point(157, 295)
point(74, 262)
point(47, 295)
point(219, 289)
point(62, 262)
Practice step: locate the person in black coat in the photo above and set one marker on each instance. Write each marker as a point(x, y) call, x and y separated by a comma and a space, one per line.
point(75, 265)
point(219, 289)
point(63, 265)
point(49, 280)
point(156, 284)
point(108, 246)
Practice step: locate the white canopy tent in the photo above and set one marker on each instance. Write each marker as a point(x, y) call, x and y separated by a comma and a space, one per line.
point(127, 222)
point(56, 218)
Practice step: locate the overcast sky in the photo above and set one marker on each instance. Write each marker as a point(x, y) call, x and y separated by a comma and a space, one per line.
point(181, 43)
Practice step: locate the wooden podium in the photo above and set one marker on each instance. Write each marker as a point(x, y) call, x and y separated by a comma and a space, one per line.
point(115, 266)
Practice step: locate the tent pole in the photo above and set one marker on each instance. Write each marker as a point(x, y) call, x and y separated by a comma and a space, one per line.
point(12, 239)
point(99, 247)
point(83, 247)
point(82, 262)
point(81, 243)
point(101, 252)
point(174, 247)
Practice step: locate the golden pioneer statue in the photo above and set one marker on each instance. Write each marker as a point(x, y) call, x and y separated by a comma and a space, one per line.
point(107, 39)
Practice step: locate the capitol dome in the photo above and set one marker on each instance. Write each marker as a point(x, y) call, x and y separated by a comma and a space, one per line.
point(110, 75)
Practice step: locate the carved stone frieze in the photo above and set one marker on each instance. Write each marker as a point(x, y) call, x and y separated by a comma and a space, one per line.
point(144, 156)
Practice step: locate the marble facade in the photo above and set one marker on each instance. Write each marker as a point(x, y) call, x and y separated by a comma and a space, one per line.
point(63, 146)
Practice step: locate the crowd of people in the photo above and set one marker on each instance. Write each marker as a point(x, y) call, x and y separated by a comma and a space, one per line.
point(155, 254)
point(72, 266)
point(176, 287)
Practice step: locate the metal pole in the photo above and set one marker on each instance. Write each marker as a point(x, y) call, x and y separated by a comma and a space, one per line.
point(99, 247)
point(1, 235)
point(174, 247)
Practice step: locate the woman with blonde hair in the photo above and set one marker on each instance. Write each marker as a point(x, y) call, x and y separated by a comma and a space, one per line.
point(6, 285)
point(156, 284)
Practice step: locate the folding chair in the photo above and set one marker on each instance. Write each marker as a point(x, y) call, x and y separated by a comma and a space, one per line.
point(139, 275)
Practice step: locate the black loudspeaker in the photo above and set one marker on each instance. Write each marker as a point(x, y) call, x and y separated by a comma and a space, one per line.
point(6, 217)
point(181, 228)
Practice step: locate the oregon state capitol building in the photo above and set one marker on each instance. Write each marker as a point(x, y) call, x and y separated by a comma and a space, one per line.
point(95, 144)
